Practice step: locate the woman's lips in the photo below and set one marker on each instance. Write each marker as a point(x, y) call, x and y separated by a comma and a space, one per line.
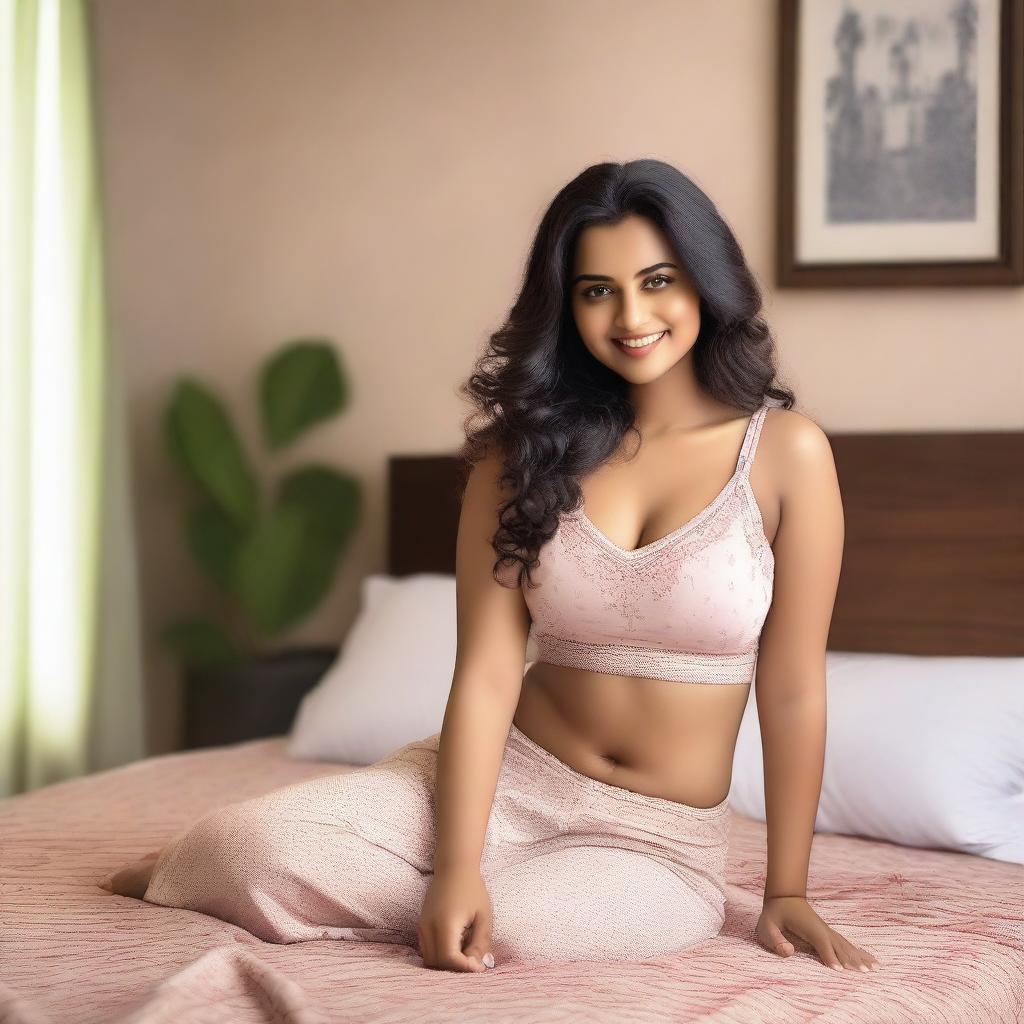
point(639, 353)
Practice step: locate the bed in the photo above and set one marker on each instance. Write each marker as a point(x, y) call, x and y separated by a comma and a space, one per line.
point(933, 564)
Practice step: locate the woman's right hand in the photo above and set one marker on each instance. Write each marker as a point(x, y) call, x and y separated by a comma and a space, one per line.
point(454, 928)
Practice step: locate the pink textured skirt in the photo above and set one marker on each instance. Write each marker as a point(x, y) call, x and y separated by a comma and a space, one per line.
point(576, 868)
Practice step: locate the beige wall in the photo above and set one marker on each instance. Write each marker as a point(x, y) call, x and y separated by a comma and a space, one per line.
point(374, 172)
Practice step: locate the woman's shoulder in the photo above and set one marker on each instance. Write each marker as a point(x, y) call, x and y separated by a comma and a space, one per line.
point(795, 442)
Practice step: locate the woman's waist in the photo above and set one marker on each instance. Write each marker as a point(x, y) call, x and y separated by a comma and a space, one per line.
point(665, 739)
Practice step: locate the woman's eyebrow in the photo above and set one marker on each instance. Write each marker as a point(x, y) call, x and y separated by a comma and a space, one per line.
point(604, 277)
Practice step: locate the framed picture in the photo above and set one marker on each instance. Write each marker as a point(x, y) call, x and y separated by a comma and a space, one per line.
point(901, 143)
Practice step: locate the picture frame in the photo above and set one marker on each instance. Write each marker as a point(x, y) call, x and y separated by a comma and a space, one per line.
point(900, 143)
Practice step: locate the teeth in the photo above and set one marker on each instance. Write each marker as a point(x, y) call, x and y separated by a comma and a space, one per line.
point(640, 342)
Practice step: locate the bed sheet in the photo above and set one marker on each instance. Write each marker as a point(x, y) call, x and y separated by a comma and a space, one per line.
point(947, 927)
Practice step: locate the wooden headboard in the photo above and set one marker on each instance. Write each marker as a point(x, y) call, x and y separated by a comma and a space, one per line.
point(934, 555)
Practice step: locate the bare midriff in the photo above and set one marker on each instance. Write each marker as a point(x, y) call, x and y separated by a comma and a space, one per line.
point(663, 739)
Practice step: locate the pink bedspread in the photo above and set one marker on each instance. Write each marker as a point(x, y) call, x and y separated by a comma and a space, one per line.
point(948, 928)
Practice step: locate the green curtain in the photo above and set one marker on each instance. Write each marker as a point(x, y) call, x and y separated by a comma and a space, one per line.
point(71, 697)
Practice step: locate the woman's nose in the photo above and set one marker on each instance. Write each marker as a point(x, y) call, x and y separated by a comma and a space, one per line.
point(633, 314)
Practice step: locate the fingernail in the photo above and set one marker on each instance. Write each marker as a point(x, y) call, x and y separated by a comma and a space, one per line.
point(837, 967)
point(864, 967)
point(488, 960)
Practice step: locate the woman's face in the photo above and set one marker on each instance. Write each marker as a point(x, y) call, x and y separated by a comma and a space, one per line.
point(627, 281)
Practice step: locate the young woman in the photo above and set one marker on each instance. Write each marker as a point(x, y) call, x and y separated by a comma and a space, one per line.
point(671, 523)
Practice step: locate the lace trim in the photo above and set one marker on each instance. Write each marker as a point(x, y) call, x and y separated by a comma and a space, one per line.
point(647, 662)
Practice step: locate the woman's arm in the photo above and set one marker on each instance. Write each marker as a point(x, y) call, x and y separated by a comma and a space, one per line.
point(790, 681)
point(493, 624)
point(790, 677)
point(476, 726)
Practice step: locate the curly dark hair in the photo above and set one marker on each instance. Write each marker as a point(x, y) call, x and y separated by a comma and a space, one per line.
point(551, 409)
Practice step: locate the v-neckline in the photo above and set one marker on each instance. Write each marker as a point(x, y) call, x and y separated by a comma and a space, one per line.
point(588, 523)
point(679, 531)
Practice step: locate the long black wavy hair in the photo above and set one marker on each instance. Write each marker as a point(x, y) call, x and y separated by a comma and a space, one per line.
point(551, 409)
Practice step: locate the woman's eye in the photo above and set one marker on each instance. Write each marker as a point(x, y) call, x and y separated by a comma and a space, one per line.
point(589, 293)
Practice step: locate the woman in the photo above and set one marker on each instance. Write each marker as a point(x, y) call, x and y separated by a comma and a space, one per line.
point(580, 811)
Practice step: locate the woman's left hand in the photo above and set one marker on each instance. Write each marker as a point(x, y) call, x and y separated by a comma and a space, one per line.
point(794, 914)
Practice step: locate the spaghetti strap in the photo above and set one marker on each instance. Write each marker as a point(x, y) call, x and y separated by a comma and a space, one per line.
point(750, 440)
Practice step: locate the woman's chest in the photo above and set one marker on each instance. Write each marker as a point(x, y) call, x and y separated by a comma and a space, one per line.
point(707, 589)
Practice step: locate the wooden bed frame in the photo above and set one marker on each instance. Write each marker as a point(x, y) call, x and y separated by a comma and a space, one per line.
point(934, 555)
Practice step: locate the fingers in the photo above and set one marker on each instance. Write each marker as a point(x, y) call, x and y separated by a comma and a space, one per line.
point(478, 941)
point(852, 957)
point(842, 955)
point(834, 951)
point(442, 950)
point(450, 955)
point(778, 942)
point(828, 954)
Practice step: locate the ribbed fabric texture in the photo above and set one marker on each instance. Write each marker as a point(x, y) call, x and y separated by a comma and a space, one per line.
point(688, 607)
point(577, 869)
point(647, 662)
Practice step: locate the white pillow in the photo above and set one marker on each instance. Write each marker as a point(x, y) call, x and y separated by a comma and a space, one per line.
point(923, 751)
point(390, 683)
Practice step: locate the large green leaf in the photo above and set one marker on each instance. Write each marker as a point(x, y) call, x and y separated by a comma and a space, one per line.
point(300, 386)
point(203, 443)
point(267, 572)
point(201, 642)
point(331, 499)
point(317, 562)
point(284, 568)
point(214, 540)
point(332, 502)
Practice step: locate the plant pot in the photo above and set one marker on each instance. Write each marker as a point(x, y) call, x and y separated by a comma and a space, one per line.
point(251, 701)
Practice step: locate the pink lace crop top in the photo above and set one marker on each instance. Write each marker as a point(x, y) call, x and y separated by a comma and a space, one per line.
point(687, 607)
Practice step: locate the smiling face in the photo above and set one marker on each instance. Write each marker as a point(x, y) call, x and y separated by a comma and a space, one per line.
point(627, 282)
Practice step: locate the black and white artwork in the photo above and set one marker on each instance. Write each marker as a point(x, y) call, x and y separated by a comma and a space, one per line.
point(901, 115)
point(898, 104)
point(896, 131)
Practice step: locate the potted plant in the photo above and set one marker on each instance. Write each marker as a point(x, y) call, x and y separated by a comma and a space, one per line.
point(272, 555)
